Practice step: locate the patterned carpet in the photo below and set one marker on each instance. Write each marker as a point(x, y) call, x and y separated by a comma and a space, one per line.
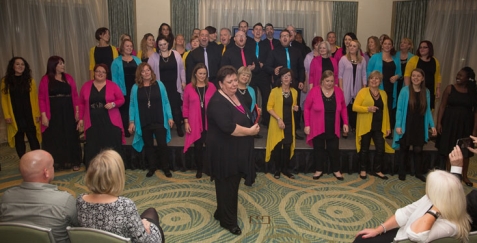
point(300, 210)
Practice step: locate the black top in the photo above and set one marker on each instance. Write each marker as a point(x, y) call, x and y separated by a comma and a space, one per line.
point(287, 118)
point(300, 47)
point(98, 114)
point(152, 114)
point(246, 98)
point(377, 122)
point(329, 104)
point(414, 134)
point(21, 106)
point(59, 88)
point(355, 65)
point(214, 54)
point(201, 92)
point(403, 64)
point(233, 56)
point(168, 72)
point(104, 54)
point(326, 64)
point(389, 69)
point(129, 75)
point(278, 57)
point(429, 69)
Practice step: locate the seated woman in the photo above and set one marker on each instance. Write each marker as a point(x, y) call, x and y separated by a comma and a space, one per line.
point(432, 217)
point(104, 209)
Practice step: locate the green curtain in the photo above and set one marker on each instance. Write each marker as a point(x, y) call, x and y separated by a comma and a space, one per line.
point(121, 16)
point(345, 19)
point(184, 17)
point(409, 21)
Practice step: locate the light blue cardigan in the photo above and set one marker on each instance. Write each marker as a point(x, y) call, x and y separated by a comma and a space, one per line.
point(138, 143)
point(117, 72)
point(401, 115)
point(252, 93)
point(376, 64)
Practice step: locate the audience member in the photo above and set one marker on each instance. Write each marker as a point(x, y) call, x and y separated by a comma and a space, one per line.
point(58, 98)
point(20, 106)
point(104, 209)
point(103, 53)
point(36, 201)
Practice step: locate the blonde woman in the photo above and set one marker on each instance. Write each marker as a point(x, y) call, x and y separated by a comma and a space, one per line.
point(147, 47)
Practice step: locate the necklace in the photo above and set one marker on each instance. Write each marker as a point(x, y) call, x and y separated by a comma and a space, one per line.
point(148, 97)
point(354, 61)
point(375, 95)
point(326, 92)
point(201, 97)
point(286, 94)
point(242, 92)
point(165, 59)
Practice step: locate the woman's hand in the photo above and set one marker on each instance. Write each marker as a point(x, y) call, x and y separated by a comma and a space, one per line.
point(368, 233)
point(8, 120)
point(132, 127)
point(80, 125)
point(187, 127)
point(295, 108)
point(456, 158)
point(434, 131)
point(438, 92)
point(307, 130)
point(393, 79)
point(399, 130)
point(259, 111)
point(77, 116)
point(345, 128)
point(37, 119)
point(147, 226)
point(473, 150)
point(109, 106)
point(277, 70)
point(44, 121)
point(183, 86)
point(388, 132)
point(254, 130)
point(171, 123)
point(281, 124)
point(372, 109)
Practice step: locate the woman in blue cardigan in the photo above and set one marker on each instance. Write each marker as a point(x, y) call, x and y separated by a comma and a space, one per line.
point(413, 119)
point(387, 63)
point(123, 71)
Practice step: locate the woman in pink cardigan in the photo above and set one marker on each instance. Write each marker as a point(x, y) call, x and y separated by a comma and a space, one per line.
point(194, 110)
point(99, 104)
point(321, 63)
point(324, 107)
point(58, 101)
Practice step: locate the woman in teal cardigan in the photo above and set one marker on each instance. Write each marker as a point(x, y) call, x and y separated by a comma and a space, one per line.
point(413, 119)
point(123, 70)
point(150, 117)
point(387, 63)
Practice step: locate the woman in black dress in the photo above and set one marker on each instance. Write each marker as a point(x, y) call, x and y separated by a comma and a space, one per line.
point(58, 100)
point(456, 117)
point(20, 106)
point(230, 142)
point(99, 104)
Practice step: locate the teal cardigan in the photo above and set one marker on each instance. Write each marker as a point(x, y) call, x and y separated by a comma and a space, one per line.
point(117, 72)
point(252, 93)
point(138, 143)
point(376, 63)
point(401, 115)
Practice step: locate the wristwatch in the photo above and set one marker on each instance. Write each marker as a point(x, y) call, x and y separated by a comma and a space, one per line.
point(434, 213)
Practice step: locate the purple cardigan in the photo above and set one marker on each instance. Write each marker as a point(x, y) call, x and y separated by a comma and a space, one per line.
point(191, 110)
point(154, 62)
point(315, 113)
point(316, 70)
point(44, 97)
point(113, 94)
point(346, 73)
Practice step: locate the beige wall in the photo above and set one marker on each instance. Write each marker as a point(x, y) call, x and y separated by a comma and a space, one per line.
point(374, 17)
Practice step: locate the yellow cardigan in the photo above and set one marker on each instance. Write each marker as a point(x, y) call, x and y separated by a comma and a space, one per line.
point(139, 53)
point(412, 64)
point(275, 134)
point(92, 62)
point(365, 118)
point(12, 128)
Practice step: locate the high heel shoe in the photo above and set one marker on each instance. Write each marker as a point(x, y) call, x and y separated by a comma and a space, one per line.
point(289, 175)
point(363, 177)
point(277, 175)
point(317, 177)
point(469, 184)
point(339, 178)
point(380, 177)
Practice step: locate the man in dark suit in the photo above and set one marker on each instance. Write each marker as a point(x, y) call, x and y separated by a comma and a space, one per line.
point(295, 44)
point(269, 31)
point(212, 62)
point(233, 55)
point(243, 26)
point(285, 56)
point(225, 36)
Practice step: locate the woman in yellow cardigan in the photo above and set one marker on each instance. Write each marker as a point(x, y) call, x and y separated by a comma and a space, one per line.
point(281, 130)
point(426, 61)
point(372, 123)
point(20, 106)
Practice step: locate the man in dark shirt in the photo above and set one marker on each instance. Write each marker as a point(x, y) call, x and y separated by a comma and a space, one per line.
point(294, 43)
point(225, 36)
point(212, 35)
point(233, 55)
point(269, 31)
point(212, 62)
point(243, 26)
point(285, 56)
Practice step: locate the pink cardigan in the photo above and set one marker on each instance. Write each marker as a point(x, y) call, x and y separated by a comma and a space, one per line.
point(191, 110)
point(44, 97)
point(113, 94)
point(315, 113)
point(316, 70)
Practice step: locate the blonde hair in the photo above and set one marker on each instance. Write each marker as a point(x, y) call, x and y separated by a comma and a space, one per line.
point(326, 74)
point(123, 37)
point(359, 58)
point(245, 70)
point(374, 74)
point(144, 42)
point(327, 46)
point(106, 174)
point(409, 41)
point(446, 193)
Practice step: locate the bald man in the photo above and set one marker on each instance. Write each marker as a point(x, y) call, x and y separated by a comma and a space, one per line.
point(36, 201)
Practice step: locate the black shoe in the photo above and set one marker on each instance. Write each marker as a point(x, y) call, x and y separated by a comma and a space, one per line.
point(344, 135)
point(236, 230)
point(402, 177)
point(298, 137)
point(468, 183)
point(150, 173)
point(363, 177)
point(277, 175)
point(381, 177)
point(180, 133)
point(168, 173)
point(198, 175)
point(289, 175)
point(421, 177)
point(317, 177)
point(258, 136)
point(339, 178)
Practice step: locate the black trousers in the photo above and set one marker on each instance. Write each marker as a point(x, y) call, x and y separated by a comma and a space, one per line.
point(176, 104)
point(20, 141)
point(323, 147)
point(351, 117)
point(226, 190)
point(378, 139)
point(199, 151)
point(151, 215)
point(388, 237)
point(148, 134)
point(405, 158)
